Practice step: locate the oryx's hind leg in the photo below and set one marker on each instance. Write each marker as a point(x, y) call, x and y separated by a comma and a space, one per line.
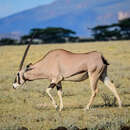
point(52, 85)
point(93, 83)
point(59, 92)
point(104, 78)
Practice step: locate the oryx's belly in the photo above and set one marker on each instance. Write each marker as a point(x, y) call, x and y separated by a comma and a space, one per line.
point(77, 77)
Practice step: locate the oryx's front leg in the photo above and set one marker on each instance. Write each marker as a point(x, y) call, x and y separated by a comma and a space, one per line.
point(59, 91)
point(52, 85)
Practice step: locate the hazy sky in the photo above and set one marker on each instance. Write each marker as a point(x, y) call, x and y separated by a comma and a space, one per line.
point(8, 7)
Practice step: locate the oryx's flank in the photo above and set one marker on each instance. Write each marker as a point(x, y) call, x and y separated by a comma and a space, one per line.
point(60, 65)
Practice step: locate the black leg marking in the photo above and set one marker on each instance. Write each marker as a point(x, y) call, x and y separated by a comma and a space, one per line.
point(58, 86)
point(52, 85)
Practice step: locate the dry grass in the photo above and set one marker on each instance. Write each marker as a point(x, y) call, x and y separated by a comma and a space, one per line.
point(22, 107)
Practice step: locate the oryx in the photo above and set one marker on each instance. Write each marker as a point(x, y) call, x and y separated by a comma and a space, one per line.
point(59, 65)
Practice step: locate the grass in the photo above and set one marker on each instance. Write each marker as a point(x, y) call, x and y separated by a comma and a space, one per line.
point(22, 107)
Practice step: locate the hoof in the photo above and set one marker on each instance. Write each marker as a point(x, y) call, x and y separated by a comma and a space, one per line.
point(57, 108)
point(86, 108)
point(120, 106)
point(60, 109)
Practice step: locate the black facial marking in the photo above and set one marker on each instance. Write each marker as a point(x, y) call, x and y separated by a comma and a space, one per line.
point(18, 78)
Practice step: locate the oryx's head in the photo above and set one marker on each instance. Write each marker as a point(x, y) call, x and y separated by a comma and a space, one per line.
point(19, 79)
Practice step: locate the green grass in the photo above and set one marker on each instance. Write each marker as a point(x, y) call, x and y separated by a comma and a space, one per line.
point(22, 107)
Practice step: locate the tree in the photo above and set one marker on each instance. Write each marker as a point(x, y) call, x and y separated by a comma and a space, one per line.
point(117, 31)
point(99, 32)
point(125, 28)
point(8, 41)
point(107, 32)
point(49, 35)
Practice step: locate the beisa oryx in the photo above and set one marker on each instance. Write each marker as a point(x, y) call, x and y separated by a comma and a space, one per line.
point(61, 65)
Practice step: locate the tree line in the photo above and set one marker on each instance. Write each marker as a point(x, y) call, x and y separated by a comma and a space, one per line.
point(116, 31)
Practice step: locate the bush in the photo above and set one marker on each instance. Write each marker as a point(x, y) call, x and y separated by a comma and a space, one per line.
point(108, 100)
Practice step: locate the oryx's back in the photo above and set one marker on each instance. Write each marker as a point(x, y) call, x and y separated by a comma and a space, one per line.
point(67, 63)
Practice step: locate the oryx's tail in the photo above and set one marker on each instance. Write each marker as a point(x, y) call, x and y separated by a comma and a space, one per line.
point(105, 61)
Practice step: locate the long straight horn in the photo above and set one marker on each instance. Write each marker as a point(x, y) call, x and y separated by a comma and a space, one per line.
point(25, 54)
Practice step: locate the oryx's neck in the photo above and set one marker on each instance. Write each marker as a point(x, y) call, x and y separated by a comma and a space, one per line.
point(36, 72)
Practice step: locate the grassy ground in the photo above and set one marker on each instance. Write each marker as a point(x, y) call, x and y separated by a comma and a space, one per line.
point(22, 107)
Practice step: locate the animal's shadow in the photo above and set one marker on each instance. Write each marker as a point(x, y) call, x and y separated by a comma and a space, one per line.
point(94, 106)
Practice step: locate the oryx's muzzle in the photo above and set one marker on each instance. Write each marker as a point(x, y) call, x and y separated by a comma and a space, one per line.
point(18, 80)
point(15, 85)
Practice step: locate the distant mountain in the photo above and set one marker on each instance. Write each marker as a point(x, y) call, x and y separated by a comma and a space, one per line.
point(78, 15)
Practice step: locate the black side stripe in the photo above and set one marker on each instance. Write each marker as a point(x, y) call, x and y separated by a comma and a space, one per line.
point(78, 73)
